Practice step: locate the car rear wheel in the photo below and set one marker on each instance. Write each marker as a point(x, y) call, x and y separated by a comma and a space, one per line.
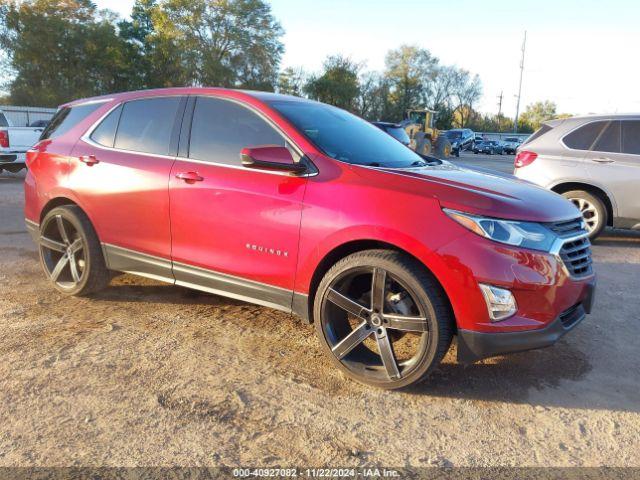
point(382, 318)
point(592, 209)
point(70, 252)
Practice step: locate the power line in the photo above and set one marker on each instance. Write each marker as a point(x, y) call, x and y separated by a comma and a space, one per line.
point(515, 121)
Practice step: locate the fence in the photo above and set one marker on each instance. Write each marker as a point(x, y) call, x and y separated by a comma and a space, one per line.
point(502, 136)
point(25, 116)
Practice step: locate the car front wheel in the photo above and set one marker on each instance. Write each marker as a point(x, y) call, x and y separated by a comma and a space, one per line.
point(382, 318)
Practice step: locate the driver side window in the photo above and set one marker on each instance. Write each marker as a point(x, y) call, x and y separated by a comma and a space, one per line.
point(222, 128)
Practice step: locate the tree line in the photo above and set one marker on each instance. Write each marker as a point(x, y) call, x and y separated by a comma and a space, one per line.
point(53, 51)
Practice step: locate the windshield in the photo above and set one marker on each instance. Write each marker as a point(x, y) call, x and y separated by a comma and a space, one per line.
point(453, 134)
point(345, 137)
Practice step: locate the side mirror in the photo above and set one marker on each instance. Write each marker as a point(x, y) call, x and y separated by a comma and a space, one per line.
point(271, 158)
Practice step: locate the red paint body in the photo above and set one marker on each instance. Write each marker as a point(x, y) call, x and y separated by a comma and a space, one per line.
point(135, 201)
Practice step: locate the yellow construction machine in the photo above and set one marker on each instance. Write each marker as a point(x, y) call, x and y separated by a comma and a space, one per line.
point(425, 138)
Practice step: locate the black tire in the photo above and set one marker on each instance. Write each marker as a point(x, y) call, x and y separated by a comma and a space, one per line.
point(592, 208)
point(443, 147)
point(425, 148)
point(432, 329)
point(56, 244)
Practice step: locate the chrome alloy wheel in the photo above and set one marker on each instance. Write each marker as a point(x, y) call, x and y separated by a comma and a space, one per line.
point(374, 325)
point(589, 213)
point(63, 252)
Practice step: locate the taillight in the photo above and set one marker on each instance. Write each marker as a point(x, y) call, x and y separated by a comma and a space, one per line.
point(4, 139)
point(524, 158)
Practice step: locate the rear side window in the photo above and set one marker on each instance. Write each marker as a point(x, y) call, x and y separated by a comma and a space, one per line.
point(538, 133)
point(221, 128)
point(631, 137)
point(68, 117)
point(105, 133)
point(146, 125)
point(609, 139)
point(3, 120)
point(583, 138)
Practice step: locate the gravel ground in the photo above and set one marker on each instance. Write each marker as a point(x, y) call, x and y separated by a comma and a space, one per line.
point(148, 374)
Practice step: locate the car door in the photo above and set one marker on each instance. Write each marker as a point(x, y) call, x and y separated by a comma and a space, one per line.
point(614, 161)
point(121, 171)
point(571, 164)
point(234, 230)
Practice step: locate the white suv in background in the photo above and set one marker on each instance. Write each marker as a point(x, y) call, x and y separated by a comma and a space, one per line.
point(594, 161)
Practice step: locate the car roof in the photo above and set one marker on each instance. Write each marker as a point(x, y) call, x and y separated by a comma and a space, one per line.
point(598, 116)
point(261, 96)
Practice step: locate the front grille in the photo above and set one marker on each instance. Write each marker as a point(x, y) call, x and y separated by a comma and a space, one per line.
point(569, 228)
point(576, 250)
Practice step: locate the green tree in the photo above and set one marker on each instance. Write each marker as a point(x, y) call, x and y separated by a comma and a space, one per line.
point(466, 91)
point(231, 43)
point(57, 51)
point(160, 61)
point(291, 81)
point(337, 84)
point(409, 71)
point(373, 97)
point(537, 113)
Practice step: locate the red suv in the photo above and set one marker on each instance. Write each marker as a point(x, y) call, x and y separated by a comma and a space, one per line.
point(303, 207)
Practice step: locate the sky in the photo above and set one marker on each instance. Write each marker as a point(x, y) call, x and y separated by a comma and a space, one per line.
point(582, 55)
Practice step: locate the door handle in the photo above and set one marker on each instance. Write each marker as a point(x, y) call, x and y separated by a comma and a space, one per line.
point(602, 160)
point(189, 177)
point(89, 159)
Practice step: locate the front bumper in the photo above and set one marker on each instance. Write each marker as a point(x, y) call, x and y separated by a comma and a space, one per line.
point(473, 346)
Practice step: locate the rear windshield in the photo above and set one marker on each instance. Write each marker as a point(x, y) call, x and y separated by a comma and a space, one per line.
point(3, 120)
point(66, 118)
point(538, 133)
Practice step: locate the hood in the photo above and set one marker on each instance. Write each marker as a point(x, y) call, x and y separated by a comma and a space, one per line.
point(482, 192)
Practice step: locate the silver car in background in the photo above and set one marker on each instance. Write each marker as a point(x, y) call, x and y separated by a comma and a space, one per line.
point(594, 161)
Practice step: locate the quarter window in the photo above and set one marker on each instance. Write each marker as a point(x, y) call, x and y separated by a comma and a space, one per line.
point(105, 133)
point(68, 117)
point(541, 131)
point(583, 137)
point(609, 139)
point(631, 137)
point(146, 125)
point(221, 129)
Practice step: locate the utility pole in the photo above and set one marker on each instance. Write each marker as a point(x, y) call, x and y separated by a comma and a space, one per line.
point(499, 108)
point(515, 121)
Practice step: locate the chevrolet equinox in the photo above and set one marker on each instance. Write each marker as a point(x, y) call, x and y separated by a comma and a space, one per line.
point(303, 207)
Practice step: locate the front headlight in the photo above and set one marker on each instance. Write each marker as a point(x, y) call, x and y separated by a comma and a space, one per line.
point(521, 234)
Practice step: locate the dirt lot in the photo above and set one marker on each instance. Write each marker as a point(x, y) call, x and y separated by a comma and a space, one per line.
point(149, 374)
